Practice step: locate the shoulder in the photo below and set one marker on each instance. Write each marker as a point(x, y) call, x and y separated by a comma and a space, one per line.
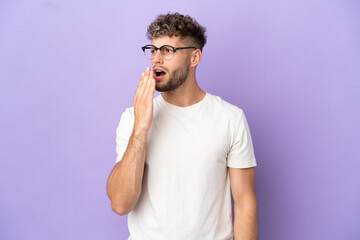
point(224, 107)
point(128, 113)
point(127, 118)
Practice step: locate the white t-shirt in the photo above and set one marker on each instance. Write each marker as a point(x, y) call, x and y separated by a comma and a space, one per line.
point(186, 187)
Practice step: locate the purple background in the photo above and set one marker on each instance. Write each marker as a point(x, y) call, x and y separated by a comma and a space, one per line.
point(68, 69)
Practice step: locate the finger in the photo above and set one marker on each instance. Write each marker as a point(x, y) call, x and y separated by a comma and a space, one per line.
point(152, 84)
point(147, 72)
point(147, 87)
point(141, 79)
point(142, 76)
point(152, 88)
point(139, 86)
point(151, 77)
point(142, 87)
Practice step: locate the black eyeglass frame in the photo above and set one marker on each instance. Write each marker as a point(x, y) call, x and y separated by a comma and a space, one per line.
point(159, 48)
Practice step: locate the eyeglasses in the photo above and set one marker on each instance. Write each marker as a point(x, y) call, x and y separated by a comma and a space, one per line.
point(167, 51)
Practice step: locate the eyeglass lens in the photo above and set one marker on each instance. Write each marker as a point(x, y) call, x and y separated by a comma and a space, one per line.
point(166, 52)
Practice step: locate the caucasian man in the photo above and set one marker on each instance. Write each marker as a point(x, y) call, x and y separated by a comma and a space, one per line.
point(179, 153)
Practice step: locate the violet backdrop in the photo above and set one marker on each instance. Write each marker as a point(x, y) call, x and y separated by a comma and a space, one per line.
point(68, 69)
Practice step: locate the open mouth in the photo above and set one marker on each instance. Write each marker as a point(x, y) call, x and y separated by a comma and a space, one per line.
point(159, 74)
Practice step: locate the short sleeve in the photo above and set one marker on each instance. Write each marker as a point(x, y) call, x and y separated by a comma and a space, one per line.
point(241, 154)
point(123, 133)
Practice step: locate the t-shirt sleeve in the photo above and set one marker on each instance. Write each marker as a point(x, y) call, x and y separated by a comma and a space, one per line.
point(123, 133)
point(241, 154)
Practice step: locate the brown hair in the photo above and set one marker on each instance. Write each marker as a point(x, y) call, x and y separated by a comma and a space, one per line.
point(179, 26)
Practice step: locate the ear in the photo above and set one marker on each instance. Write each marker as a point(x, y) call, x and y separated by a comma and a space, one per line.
point(195, 57)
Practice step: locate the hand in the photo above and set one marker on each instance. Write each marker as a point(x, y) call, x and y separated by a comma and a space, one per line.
point(143, 101)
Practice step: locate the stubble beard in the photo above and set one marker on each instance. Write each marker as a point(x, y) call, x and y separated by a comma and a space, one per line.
point(176, 78)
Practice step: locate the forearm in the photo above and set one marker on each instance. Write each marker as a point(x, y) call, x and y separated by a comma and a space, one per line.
point(125, 181)
point(245, 220)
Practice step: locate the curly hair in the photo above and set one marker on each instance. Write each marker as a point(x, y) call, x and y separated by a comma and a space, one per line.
point(177, 25)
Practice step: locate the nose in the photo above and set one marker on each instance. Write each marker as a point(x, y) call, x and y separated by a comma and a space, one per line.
point(157, 58)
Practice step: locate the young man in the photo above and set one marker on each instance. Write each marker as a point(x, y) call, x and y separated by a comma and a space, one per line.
point(179, 153)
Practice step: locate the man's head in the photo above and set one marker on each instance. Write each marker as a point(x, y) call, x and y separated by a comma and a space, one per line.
point(184, 27)
point(178, 31)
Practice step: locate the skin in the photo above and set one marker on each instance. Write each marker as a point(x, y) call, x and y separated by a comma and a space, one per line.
point(189, 92)
point(176, 78)
point(242, 181)
point(125, 181)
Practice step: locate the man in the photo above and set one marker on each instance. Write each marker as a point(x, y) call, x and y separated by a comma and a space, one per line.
point(179, 153)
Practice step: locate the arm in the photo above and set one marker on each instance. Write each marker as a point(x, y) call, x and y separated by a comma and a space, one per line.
point(242, 181)
point(125, 181)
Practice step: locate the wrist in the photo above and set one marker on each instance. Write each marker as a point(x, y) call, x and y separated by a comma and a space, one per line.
point(139, 131)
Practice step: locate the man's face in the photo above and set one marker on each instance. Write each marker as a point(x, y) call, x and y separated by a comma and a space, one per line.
point(174, 72)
